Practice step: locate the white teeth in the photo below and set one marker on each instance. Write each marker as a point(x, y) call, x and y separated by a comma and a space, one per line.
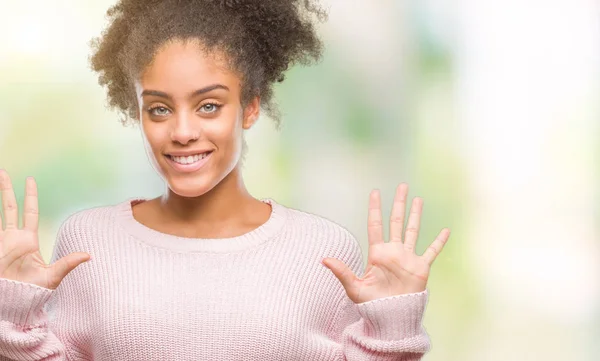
point(189, 159)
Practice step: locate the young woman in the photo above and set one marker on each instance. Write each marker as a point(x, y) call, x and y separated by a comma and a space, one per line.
point(205, 271)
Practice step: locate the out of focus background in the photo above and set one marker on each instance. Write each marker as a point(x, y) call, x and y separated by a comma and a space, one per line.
point(488, 109)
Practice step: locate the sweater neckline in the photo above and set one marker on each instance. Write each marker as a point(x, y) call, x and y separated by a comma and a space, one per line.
point(152, 237)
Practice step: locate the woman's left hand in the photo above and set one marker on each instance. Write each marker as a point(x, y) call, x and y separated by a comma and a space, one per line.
point(393, 268)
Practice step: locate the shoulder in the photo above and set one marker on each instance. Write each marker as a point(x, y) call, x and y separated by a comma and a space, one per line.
point(323, 230)
point(87, 224)
point(91, 217)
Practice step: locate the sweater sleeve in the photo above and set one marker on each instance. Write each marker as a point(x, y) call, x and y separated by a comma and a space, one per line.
point(26, 330)
point(384, 329)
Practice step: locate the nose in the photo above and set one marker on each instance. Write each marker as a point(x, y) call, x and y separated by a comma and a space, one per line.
point(183, 130)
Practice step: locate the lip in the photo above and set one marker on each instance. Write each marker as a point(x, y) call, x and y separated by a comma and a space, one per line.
point(188, 168)
point(188, 153)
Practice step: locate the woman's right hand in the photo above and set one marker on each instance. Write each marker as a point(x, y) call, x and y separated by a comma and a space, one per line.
point(20, 257)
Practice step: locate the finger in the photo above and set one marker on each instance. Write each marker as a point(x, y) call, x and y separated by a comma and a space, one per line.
point(62, 267)
point(30, 213)
point(414, 222)
point(398, 210)
point(9, 203)
point(341, 271)
point(374, 225)
point(436, 247)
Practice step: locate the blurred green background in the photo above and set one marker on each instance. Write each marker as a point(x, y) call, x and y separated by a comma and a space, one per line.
point(488, 110)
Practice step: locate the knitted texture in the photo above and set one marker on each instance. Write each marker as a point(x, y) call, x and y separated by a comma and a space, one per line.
point(264, 295)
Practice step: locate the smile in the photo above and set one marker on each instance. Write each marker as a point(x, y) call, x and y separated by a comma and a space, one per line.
point(189, 159)
point(189, 163)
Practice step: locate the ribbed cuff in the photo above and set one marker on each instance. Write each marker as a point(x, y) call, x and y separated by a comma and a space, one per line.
point(394, 317)
point(22, 303)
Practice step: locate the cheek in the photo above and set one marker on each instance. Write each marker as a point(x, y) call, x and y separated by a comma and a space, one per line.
point(225, 135)
point(153, 144)
point(153, 137)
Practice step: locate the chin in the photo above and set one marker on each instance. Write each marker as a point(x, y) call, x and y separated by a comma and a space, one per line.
point(189, 188)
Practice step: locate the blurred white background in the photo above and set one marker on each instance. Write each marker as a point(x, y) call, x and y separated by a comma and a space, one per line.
point(489, 110)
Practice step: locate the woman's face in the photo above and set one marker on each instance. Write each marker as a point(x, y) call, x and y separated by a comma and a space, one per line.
point(191, 117)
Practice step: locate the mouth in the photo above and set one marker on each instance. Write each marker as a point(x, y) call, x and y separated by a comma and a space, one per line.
point(189, 163)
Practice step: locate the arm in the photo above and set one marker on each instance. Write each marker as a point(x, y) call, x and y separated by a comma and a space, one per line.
point(382, 313)
point(26, 331)
point(387, 328)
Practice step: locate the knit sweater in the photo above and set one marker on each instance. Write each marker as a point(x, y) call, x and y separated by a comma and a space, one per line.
point(264, 295)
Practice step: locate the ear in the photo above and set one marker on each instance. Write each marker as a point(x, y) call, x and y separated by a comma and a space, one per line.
point(251, 113)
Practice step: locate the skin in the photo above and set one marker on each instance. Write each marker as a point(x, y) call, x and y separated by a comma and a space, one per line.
point(209, 203)
point(393, 268)
point(212, 202)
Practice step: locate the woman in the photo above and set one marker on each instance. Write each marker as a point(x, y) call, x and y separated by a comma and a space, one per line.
point(206, 271)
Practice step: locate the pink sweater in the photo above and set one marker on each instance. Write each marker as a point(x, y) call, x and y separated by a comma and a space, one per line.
point(147, 295)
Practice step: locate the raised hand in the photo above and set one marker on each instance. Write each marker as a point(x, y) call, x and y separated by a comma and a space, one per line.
point(393, 268)
point(20, 258)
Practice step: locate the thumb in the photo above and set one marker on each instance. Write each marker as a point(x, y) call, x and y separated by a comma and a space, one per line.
point(341, 271)
point(62, 267)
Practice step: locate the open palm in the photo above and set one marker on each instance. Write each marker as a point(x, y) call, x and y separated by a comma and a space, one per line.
point(393, 268)
point(20, 257)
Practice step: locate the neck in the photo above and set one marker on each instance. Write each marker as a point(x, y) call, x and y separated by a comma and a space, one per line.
point(227, 201)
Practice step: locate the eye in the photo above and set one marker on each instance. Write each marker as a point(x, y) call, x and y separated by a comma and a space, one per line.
point(211, 107)
point(152, 110)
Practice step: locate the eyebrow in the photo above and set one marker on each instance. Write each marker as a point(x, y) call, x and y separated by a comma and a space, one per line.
point(206, 89)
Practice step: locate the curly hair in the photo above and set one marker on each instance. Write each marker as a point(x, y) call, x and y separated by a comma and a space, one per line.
point(261, 38)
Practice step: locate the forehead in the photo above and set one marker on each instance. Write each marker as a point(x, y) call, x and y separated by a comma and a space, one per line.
point(179, 66)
